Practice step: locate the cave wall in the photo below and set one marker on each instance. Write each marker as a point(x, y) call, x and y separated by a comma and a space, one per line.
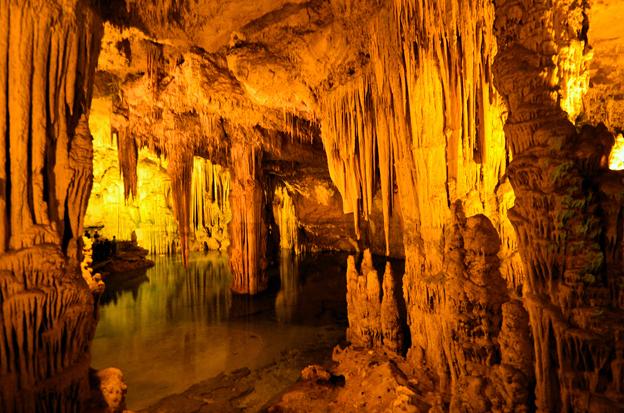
point(48, 53)
point(149, 212)
point(454, 127)
point(428, 114)
point(452, 133)
point(567, 214)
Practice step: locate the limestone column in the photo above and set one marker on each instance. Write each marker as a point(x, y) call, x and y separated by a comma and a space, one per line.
point(248, 228)
point(575, 323)
point(48, 54)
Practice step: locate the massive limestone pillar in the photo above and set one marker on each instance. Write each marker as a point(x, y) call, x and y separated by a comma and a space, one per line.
point(48, 53)
point(425, 115)
point(573, 285)
point(248, 228)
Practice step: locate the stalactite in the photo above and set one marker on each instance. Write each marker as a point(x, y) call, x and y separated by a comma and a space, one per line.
point(48, 53)
point(180, 171)
point(286, 220)
point(210, 204)
point(128, 158)
point(247, 229)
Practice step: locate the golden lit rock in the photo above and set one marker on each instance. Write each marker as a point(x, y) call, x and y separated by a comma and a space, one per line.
point(616, 157)
point(467, 144)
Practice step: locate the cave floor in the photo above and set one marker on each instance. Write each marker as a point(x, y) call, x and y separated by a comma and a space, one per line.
point(172, 330)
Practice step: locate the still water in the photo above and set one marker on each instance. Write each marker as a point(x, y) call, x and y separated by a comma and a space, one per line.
point(171, 327)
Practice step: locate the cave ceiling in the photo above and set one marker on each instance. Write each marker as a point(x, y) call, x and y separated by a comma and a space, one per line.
point(194, 66)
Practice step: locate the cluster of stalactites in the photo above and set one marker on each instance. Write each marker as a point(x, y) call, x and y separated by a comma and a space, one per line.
point(425, 117)
point(199, 190)
point(350, 140)
point(298, 128)
point(210, 202)
point(158, 12)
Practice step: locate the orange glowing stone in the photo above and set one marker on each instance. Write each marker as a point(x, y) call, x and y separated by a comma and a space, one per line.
point(616, 158)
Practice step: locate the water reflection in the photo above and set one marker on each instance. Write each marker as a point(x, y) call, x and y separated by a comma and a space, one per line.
point(286, 300)
point(172, 327)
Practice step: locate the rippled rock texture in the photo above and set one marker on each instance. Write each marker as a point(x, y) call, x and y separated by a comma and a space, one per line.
point(48, 55)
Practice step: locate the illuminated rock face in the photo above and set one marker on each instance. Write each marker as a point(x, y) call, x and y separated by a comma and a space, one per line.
point(455, 133)
point(248, 228)
point(48, 54)
point(561, 180)
point(149, 212)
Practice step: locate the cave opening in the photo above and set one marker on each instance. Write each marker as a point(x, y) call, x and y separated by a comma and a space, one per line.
point(311, 205)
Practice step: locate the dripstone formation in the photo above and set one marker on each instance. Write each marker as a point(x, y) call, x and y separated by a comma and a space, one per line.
point(473, 139)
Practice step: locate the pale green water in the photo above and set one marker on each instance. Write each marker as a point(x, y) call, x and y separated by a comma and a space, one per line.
point(173, 327)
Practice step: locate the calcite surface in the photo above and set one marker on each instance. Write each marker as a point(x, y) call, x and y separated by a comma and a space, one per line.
point(48, 55)
point(475, 139)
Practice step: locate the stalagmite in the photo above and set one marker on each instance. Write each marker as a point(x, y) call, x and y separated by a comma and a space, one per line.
point(391, 327)
point(373, 317)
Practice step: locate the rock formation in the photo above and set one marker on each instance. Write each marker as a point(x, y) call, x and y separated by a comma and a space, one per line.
point(48, 55)
point(564, 213)
point(478, 140)
point(374, 319)
point(110, 391)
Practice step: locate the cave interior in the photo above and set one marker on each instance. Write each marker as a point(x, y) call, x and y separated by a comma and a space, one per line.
point(466, 156)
